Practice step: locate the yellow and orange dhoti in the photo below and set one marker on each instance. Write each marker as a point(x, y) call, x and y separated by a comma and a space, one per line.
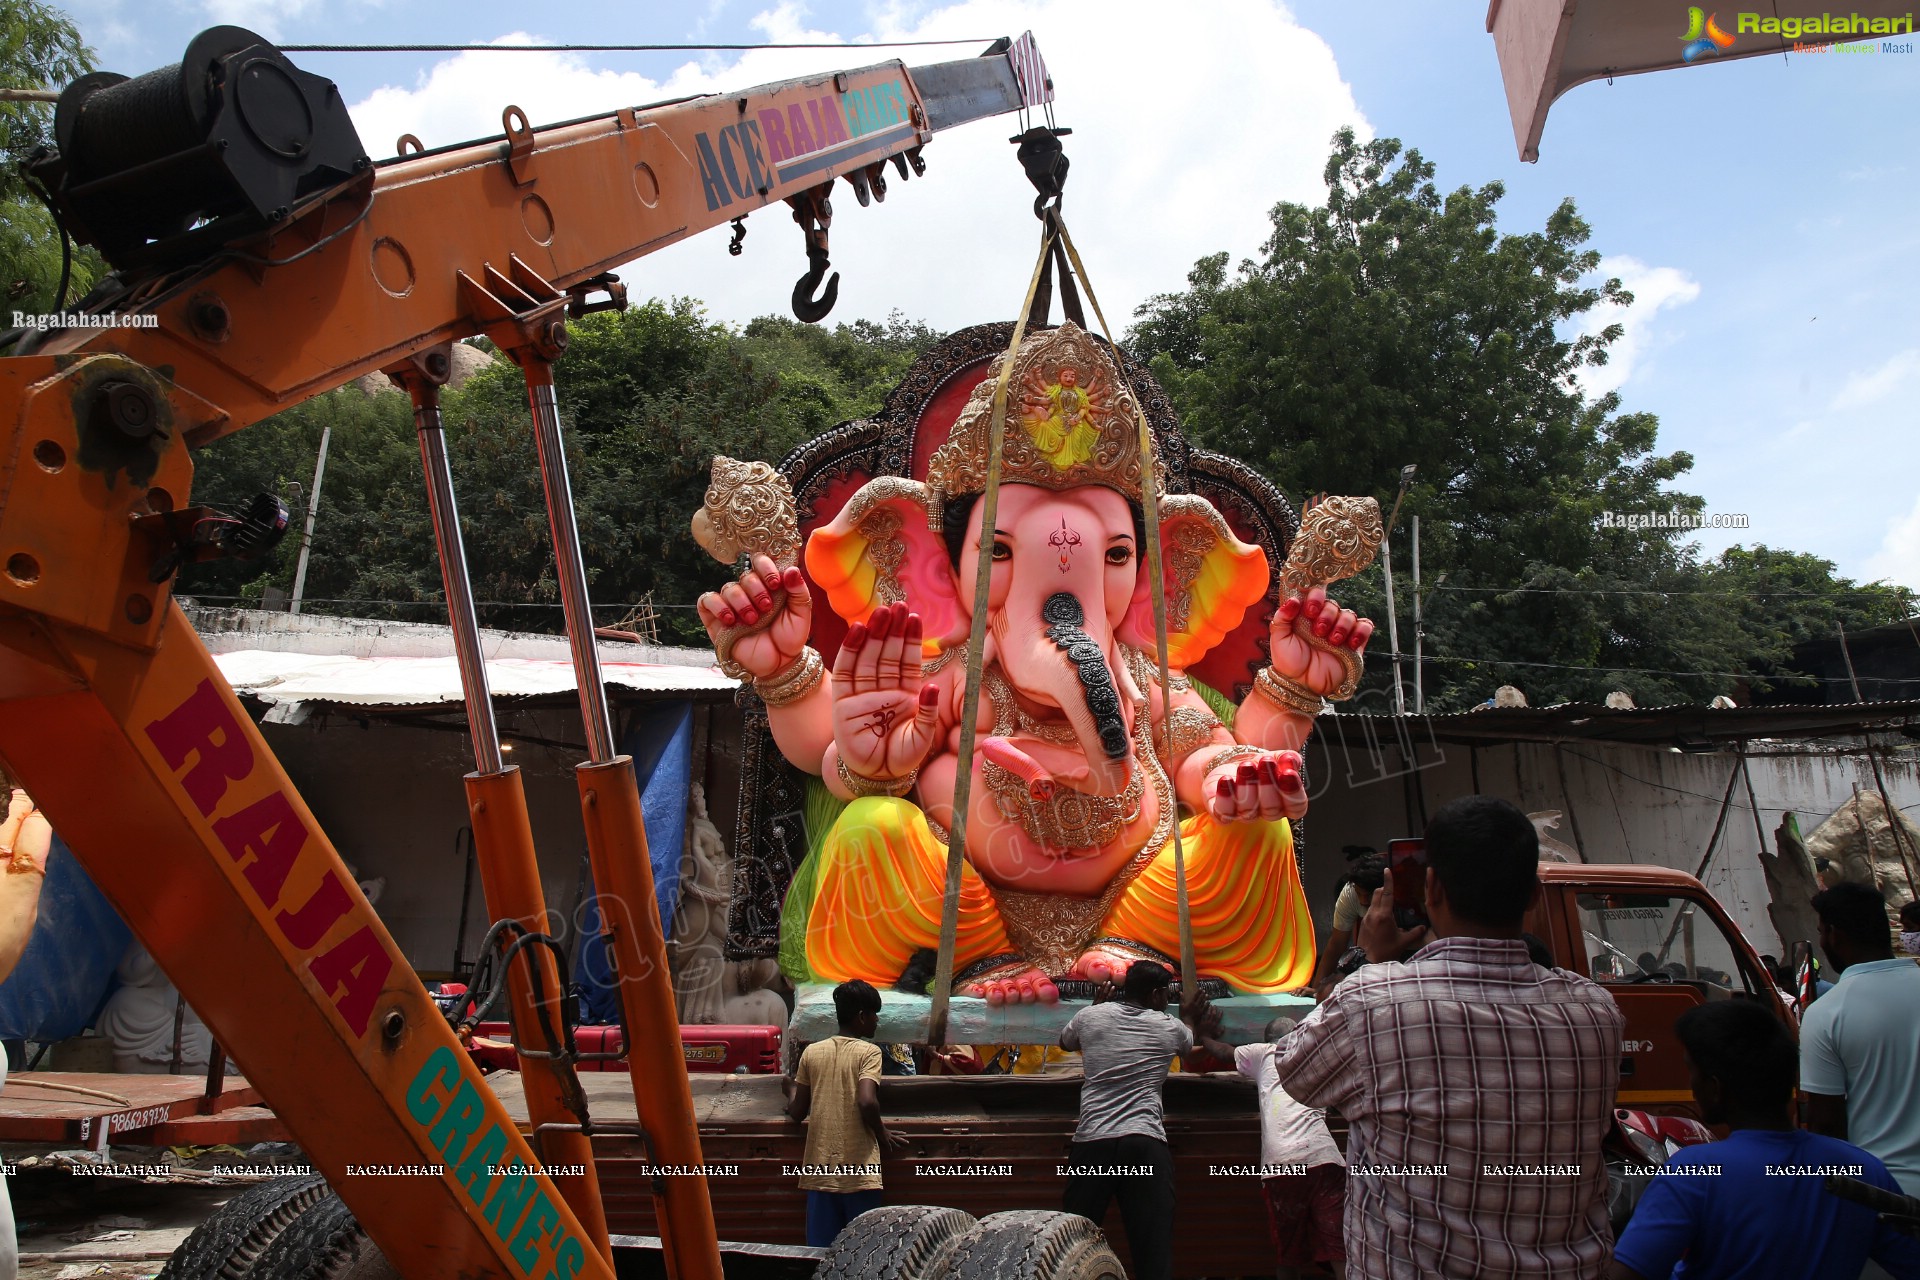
point(881, 876)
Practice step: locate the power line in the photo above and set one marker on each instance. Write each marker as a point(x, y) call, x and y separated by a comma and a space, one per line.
point(606, 48)
point(1701, 795)
point(190, 594)
point(1594, 667)
point(1651, 591)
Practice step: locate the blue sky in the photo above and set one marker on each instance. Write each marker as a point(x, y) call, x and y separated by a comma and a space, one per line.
point(1761, 209)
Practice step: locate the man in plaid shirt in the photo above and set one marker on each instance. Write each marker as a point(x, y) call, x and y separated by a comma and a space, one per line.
point(1476, 1084)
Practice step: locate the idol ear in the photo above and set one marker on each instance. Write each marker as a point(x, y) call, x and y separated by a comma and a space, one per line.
point(1210, 578)
point(878, 550)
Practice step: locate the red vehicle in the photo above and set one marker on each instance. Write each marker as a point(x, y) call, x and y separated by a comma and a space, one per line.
point(708, 1048)
point(1660, 944)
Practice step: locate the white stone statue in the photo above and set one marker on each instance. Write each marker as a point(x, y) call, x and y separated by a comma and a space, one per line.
point(707, 987)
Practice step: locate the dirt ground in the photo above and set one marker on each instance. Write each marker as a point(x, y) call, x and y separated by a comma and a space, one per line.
point(77, 1228)
point(77, 1221)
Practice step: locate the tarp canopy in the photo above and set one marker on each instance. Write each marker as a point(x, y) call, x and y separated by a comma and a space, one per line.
point(1547, 47)
point(661, 745)
point(293, 680)
point(1677, 726)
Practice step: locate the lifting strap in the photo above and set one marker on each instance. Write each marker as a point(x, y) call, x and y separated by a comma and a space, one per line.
point(1056, 247)
point(976, 647)
point(1156, 592)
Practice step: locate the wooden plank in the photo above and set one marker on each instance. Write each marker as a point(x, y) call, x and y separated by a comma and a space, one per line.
point(44, 1106)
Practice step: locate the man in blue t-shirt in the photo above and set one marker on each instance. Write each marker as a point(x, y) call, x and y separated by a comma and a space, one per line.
point(1754, 1205)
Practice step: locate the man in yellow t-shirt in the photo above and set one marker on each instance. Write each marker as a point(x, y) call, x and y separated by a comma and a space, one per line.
point(836, 1092)
point(1367, 873)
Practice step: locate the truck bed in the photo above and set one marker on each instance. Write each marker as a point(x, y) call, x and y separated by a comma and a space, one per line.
point(982, 1144)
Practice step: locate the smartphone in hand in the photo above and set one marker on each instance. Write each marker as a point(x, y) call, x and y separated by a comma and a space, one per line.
point(1407, 873)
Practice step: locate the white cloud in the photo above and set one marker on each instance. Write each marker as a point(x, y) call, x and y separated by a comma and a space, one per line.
point(263, 17)
point(1898, 558)
point(1654, 290)
point(1864, 389)
point(1168, 165)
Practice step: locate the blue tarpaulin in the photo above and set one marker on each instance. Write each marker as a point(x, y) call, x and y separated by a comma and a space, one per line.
point(68, 967)
point(661, 745)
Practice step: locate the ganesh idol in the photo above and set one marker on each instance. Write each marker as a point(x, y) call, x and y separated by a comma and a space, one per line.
point(1085, 760)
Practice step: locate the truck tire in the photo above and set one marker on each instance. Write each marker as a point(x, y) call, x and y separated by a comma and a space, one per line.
point(1034, 1244)
point(227, 1244)
point(324, 1243)
point(897, 1242)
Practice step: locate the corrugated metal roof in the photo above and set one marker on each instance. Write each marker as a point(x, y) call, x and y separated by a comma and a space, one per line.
point(290, 679)
point(1683, 725)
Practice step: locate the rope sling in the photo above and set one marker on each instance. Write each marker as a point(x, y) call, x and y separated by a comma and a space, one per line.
point(1056, 247)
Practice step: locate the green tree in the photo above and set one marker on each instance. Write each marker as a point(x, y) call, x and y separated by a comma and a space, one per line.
point(1783, 599)
point(1398, 325)
point(647, 396)
point(40, 48)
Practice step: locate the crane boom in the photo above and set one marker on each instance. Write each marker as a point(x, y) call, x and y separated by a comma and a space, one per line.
point(439, 245)
point(113, 713)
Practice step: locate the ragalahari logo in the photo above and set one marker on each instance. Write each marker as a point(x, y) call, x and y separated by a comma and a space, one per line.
point(1704, 35)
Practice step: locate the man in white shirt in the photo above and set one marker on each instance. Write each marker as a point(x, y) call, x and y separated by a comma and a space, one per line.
point(1302, 1171)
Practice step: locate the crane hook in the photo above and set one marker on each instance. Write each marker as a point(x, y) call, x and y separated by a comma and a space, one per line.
point(814, 212)
point(805, 306)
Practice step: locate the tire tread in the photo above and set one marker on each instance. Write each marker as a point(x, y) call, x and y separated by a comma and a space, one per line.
point(228, 1243)
point(1034, 1244)
point(324, 1243)
point(896, 1242)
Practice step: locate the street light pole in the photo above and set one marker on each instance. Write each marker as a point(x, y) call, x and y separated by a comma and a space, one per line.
point(1419, 694)
point(1386, 564)
point(1393, 627)
point(313, 509)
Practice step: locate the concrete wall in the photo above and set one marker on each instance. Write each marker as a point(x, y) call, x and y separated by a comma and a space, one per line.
point(1650, 805)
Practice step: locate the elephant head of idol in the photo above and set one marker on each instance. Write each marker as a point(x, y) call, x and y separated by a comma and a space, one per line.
point(1068, 583)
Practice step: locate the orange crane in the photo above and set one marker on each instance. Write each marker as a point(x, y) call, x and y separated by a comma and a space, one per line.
point(260, 258)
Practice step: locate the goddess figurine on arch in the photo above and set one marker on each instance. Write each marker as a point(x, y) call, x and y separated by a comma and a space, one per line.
point(1084, 760)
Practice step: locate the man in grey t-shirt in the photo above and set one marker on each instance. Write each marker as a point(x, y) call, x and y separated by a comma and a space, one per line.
point(1120, 1145)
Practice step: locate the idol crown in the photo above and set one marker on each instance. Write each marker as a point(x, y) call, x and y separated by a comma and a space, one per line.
point(1071, 421)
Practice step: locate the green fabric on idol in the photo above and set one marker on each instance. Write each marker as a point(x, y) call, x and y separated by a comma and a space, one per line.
point(823, 809)
point(1218, 701)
